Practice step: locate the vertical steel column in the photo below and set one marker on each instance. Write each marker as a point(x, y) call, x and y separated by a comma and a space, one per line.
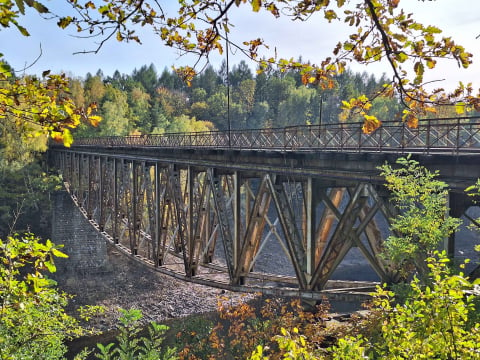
point(134, 226)
point(80, 183)
point(310, 216)
point(101, 197)
point(90, 168)
point(158, 216)
point(248, 199)
point(237, 223)
point(116, 194)
point(67, 162)
point(190, 225)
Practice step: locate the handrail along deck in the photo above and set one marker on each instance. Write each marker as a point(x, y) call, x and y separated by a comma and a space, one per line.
point(453, 135)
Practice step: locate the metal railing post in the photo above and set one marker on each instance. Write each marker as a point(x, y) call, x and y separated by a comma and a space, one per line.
point(428, 136)
point(359, 139)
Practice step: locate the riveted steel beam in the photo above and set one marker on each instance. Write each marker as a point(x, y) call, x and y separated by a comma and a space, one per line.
point(290, 229)
point(249, 244)
point(204, 221)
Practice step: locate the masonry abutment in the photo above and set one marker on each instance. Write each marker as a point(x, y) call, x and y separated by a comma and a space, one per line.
point(84, 245)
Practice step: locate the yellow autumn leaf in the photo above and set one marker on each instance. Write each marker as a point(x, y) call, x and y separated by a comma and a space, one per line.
point(256, 4)
point(94, 120)
point(412, 121)
point(460, 108)
point(67, 138)
point(370, 124)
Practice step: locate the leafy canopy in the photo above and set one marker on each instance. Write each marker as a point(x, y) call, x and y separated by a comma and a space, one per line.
point(381, 31)
point(36, 106)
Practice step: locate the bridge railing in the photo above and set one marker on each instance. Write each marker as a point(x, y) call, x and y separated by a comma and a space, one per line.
point(431, 135)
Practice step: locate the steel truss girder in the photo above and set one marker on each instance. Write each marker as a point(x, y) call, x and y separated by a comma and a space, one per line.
point(171, 216)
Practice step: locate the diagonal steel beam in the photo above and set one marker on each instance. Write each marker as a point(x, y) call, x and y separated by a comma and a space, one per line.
point(254, 230)
point(341, 240)
point(290, 230)
point(223, 215)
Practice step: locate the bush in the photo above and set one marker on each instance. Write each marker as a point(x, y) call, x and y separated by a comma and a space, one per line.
point(130, 345)
point(33, 321)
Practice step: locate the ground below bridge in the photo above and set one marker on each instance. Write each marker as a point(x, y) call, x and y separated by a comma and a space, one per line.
point(126, 284)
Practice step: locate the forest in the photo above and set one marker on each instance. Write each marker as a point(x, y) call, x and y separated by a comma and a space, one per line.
point(148, 102)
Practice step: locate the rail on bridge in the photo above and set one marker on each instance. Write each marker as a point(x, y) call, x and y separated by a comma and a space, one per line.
point(446, 135)
point(252, 225)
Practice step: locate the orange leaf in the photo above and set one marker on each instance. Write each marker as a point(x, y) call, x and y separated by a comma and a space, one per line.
point(370, 124)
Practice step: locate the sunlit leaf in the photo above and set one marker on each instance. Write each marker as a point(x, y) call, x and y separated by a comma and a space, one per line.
point(94, 120)
point(460, 108)
point(256, 4)
point(370, 124)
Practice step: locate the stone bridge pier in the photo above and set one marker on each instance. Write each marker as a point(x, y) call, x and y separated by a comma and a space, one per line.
point(85, 246)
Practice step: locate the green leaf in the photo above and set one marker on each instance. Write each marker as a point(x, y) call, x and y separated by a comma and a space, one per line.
point(348, 46)
point(402, 57)
point(330, 15)
point(419, 68)
point(21, 6)
point(433, 30)
point(42, 9)
point(50, 266)
point(64, 22)
point(67, 138)
point(22, 30)
point(5, 69)
point(58, 253)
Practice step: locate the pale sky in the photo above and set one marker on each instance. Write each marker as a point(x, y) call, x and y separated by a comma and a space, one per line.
point(312, 40)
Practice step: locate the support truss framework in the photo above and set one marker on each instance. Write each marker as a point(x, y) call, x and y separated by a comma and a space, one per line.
point(220, 227)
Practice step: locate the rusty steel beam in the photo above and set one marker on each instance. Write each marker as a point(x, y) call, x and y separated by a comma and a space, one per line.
point(215, 225)
point(255, 223)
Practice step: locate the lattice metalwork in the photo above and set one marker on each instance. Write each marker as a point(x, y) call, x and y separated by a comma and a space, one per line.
point(243, 230)
point(430, 136)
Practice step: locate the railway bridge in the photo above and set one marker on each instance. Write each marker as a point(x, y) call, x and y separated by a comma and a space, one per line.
point(270, 210)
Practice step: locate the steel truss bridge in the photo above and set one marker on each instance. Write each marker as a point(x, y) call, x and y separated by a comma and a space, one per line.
point(271, 210)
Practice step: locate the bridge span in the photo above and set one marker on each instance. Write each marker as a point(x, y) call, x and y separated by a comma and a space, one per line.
point(271, 210)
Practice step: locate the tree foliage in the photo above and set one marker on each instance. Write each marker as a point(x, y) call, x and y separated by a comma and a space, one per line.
point(423, 222)
point(36, 106)
point(33, 321)
point(244, 327)
point(41, 106)
point(435, 322)
point(381, 31)
point(259, 101)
